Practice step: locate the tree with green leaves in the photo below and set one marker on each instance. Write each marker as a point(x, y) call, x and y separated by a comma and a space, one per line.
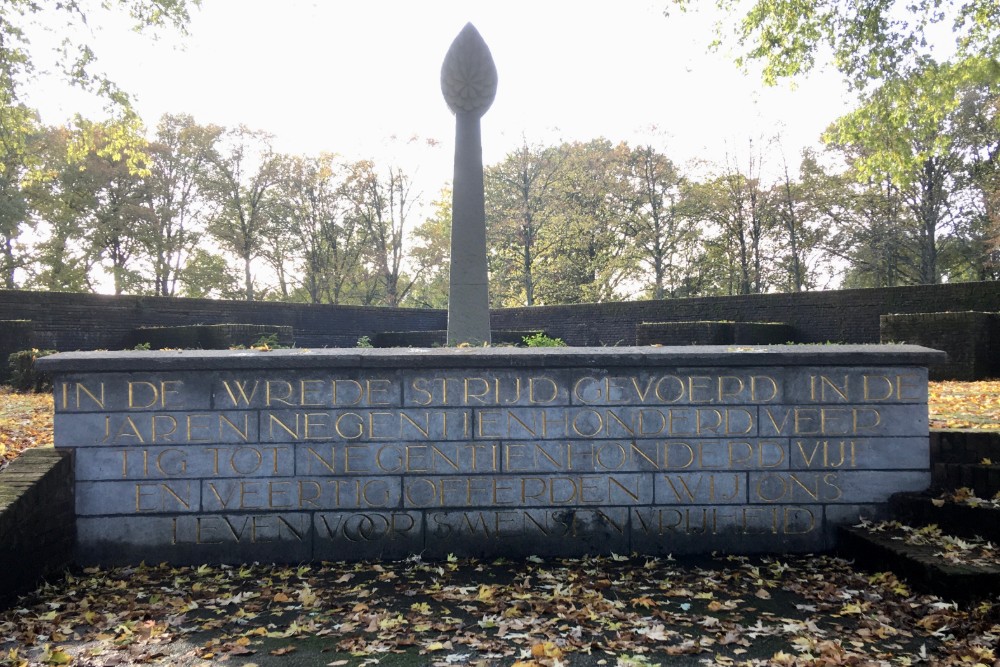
point(384, 203)
point(868, 41)
point(521, 204)
point(430, 253)
point(662, 232)
point(180, 155)
point(241, 176)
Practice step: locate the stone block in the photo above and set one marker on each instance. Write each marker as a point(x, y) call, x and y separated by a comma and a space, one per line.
point(185, 461)
point(300, 493)
point(847, 487)
point(174, 496)
point(519, 532)
point(388, 425)
point(194, 539)
point(744, 529)
point(859, 420)
point(305, 390)
point(505, 491)
point(380, 458)
point(859, 453)
point(121, 429)
point(368, 534)
point(132, 392)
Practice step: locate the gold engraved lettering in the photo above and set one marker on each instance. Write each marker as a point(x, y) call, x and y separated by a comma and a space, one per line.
point(618, 454)
point(161, 495)
point(309, 493)
point(273, 393)
point(395, 461)
point(482, 396)
point(81, 390)
point(240, 396)
point(424, 396)
point(313, 456)
point(170, 462)
point(670, 461)
point(148, 390)
point(305, 391)
point(833, 455)
point(823, 388)
point(592, 430)
point(314, 425)
point(352, 421)
point(378, 387)
point(734, 393)
point(534, 390)
point(192, 425)
point(406, 419)
point(667, 393)
point(876, 388)
point(244, 434)
point(355, 389)
point(757, 385)
point(161, 434)
point(699, 389)
point(291, 431)
point(356, 467)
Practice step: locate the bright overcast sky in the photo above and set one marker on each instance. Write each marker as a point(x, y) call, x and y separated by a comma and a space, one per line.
point(346, 77)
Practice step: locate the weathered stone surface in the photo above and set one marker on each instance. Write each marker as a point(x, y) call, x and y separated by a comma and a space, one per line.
point(305, 390)
point(195, 539)
point(132, 392)
point(860, 420)
point(121, 429)
point(388, 425)
point(558, 453)
point(527, 490)
point(185, 461)
point(852, 486)
point(838, 386)
point(522, 532)
point(729, 528)
point(859, 453)
point(368, 534)
point(300, 493)
point(497, 388)
point(382, 458)
point(173, 496)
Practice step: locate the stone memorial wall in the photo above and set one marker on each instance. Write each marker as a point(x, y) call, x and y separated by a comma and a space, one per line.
point(298, 455)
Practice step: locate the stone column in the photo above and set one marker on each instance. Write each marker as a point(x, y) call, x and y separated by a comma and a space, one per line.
point(469, 85)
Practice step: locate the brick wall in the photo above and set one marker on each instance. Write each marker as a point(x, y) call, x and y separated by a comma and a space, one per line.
point(68, 321)
point(841, 316)
point(971, 339)
point(36, 519)
point(85, 321)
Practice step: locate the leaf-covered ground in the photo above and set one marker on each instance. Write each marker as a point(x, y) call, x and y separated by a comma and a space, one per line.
point(805, 610)
point(25, 421)
point(965, 405)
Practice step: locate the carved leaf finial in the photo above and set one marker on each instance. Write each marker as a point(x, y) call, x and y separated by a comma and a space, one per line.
point(468, 75)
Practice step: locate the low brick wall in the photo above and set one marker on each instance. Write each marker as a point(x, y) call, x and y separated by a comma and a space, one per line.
point(210, 336)
point(971, 339)
point(37, 525)
point(713, 333)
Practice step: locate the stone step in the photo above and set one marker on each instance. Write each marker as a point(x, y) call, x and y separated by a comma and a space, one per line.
point(919, 564)
point(983, 479)
point(919, 509)
point(964, 446)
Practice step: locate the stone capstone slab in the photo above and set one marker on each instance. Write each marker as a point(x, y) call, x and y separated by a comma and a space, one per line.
point(331, 454)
